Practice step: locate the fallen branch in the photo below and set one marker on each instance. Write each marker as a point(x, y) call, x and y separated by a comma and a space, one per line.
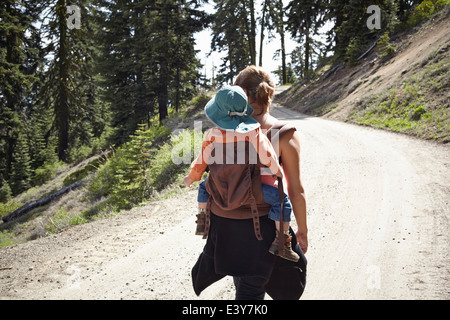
point(5, 268)
point(368, 50)
point(333, 70)
point(39, 203)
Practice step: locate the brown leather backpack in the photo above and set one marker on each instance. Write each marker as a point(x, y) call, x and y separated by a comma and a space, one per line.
point(234, 184)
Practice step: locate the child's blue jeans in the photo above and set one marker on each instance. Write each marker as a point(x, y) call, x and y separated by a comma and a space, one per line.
point(270, 196)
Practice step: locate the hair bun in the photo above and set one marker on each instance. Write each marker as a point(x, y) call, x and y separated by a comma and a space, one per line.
point(264, 93)
point(259, 86)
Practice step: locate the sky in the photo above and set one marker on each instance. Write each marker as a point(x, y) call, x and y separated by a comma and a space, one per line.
point(203, 43)
point(270, 64)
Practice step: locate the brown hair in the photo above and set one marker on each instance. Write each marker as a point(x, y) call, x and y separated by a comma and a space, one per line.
point(258, 84)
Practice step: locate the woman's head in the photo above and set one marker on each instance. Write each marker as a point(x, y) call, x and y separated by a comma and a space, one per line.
point(258, 85)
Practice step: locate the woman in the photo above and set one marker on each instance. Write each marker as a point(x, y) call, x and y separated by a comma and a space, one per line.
point(260, 91)
point(232, 248)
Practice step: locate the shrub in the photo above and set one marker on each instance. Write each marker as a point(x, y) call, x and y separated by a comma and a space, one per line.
point(385, 48)
point(5, 191)
point(425, 10)
point(144, 165)
point(63, 219)
point(124, 177)
point(7, 238)
point(9, 207)
point(47, 171)
point(418, 112)
point(173, 158)
point(353, 50)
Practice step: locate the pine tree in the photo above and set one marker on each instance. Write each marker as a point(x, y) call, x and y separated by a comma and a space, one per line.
point(149, 62)
point(5, 191)
point(174, 24)
point(66, 72)
point(20, 167)
point(231, 33)
point(305, 17)
point(385, 48)
point(272, 20)
point(89, 125)
point(19, 59)
point(350, 34)
point(280, 27)
point(186, 70)
point(263, 24)
point(71, 96)
point(251, 30)
point(61, 78)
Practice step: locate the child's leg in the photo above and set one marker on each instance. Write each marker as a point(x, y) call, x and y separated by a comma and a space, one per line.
point(287, 210)
point(285, 226)
point(203, 195)
point(202, 200)
point(272, 197)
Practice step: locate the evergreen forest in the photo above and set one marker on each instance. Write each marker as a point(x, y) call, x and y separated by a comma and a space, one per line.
point(81, 77)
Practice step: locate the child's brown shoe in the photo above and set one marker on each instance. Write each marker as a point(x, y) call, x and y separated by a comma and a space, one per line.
point(287, 252)
point(201, 221)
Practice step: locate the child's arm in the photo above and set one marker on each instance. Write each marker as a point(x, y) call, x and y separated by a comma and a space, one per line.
point(188, 181)
point(199, 165)
point(267, 153)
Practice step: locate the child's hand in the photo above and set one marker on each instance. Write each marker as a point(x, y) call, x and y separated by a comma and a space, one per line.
point(188, 182)
point(279, 174)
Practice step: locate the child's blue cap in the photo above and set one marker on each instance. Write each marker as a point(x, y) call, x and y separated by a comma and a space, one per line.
point(229, 110)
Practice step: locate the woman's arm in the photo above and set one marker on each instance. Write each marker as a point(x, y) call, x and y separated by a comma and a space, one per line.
point(290, 154)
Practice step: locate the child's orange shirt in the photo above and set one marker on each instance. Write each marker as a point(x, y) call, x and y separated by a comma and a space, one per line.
point(259, 141)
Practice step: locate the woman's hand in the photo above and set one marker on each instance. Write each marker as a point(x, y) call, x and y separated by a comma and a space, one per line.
point(302, 239)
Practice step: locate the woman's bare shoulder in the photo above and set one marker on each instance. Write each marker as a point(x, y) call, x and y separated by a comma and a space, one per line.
point(290, 142)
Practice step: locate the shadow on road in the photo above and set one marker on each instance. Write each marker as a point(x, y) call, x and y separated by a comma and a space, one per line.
point(282, 113)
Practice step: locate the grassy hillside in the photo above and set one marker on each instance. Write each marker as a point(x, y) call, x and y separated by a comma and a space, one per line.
point(407, 91)
point(116, 180)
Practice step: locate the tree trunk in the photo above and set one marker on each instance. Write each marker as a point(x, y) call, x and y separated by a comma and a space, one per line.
point(283, 48)
point(263, 21)
point(307, 47)
point(163, 92)
point(252, 34)
point(39, 203)
point(178, 89)
point(62, 103)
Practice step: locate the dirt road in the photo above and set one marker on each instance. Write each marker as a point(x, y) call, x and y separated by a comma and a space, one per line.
point(378, 212)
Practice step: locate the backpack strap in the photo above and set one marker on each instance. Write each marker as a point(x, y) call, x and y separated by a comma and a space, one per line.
point(207, 218)
point(281, 246)
point(279, 129)
point(254, 208)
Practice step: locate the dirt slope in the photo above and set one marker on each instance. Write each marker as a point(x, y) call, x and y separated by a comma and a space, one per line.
point(346, 85)
point(378, 210)
point(418, 47)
